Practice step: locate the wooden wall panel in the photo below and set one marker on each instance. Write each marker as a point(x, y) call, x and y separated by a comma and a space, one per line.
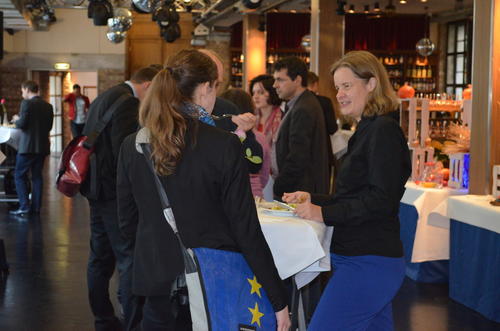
point(145, 46)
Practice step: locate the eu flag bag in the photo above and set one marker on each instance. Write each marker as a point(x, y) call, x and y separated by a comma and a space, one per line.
point(224, 294)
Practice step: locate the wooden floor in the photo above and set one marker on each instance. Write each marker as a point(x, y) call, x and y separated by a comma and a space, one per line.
point(46, 288)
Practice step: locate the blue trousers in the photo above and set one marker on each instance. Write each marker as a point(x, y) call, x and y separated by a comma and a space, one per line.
point(358, 296)
point(107, 249)
point(24, 164)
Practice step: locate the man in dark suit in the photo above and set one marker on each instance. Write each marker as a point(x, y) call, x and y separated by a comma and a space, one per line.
point(35, 122)
point(330, 118)
point(107, 246)
point(300, 158)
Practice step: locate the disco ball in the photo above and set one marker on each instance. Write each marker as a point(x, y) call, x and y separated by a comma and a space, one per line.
point(120, 11)
point(306, 42)
point(119, 24)
point(143, 6)
point(425, 47)
point(116, 37)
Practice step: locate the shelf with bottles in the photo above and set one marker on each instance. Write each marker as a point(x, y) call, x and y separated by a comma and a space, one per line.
point(236, 74)
point(419, 72)
point(274, 55)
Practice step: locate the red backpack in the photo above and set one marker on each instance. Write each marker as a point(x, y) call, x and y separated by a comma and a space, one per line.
point(76, 158)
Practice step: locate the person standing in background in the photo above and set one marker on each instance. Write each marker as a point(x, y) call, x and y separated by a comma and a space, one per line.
point(108, 248)
point(330, 118)
point(300, 158)
point(78, 108)
point(35, 121)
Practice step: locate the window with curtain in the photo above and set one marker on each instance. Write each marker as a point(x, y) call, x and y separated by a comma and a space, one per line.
point(458, 57)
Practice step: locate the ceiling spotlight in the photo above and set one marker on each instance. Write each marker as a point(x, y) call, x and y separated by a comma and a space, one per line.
point(351, 10)
point(376, 7)
point(403, 2)
point(367, 9)
point(423, 0)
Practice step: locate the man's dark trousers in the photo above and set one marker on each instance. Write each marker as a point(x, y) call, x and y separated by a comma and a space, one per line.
point(108, 248)
point(25, 163)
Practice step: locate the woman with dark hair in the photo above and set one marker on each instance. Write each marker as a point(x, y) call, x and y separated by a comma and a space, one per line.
point(244, 102)
point(205, 178)
point(366, 251)
point(267, 106)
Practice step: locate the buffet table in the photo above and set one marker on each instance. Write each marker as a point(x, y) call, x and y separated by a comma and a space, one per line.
point(475, 254)
point(425, 243)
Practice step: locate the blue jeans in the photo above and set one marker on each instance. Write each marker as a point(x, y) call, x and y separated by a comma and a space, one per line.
point(107, 249)
point(359, 295)
point(24, 164)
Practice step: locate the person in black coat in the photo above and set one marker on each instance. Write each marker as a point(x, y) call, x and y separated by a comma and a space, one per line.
point(366, 250)
point(301, 153)
point(107, 247)
point(328, 112)
point(35, 121)
point(206, 180)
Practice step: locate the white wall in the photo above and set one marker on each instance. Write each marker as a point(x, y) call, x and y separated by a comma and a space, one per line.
point(8, 42)
point(72, 33)
point(85, 80)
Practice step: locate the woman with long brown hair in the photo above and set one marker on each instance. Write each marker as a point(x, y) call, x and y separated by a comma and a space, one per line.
point(205, 178)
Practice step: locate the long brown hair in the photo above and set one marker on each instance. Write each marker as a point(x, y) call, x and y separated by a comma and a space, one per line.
point(161, 111)
point(365, 65)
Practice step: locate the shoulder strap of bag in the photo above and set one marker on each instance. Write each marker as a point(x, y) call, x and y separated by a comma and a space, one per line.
point(189, 262)
point(103, 122)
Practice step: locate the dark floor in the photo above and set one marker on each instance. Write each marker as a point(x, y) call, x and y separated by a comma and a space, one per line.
point(46, 288)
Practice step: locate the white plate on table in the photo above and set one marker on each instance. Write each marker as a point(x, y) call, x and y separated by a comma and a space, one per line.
point(279, 213)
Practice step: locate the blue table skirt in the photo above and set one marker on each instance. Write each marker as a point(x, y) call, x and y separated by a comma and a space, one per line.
point(475, 268)
point(426, 272)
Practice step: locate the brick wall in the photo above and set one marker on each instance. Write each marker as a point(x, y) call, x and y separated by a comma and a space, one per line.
point(10, 88)
point(108, 78)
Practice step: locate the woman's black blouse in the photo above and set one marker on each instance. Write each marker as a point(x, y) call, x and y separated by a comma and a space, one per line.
point(371, 182)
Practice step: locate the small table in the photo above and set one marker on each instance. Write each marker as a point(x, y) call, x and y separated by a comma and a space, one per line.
point(425, 241)
point(10, 136)
point(475, 254)
point(300, 248)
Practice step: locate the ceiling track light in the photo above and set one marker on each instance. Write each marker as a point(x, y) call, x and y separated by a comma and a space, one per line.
point(376, 7)
point(351, 10)
point(367, 9)
point(403, 2)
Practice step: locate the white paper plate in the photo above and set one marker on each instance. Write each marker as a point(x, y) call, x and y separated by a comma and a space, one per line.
point(280, 213)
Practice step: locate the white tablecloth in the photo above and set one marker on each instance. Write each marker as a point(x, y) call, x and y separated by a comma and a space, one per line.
point(432, 239)
point(299, 247)
point(10, 136)
point(475, 210)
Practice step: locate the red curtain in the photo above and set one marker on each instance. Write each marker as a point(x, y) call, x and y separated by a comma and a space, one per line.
point(286, 30)
point(399, 32)
point(237, 35)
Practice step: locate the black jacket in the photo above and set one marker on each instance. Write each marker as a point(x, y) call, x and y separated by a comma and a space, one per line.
point(370, 184)
point(223, 106)
point(330, 124)
point(107, 147)
point(213, 206)
point(301, 150)
point(35, 121)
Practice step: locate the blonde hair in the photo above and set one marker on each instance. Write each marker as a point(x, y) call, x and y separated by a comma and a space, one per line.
point(365, 65)
point(162, 109)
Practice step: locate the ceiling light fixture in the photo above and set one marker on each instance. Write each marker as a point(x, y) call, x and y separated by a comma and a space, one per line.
point(376, 7)
point(351, 10)
point(403, 2)
point(367, 9)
